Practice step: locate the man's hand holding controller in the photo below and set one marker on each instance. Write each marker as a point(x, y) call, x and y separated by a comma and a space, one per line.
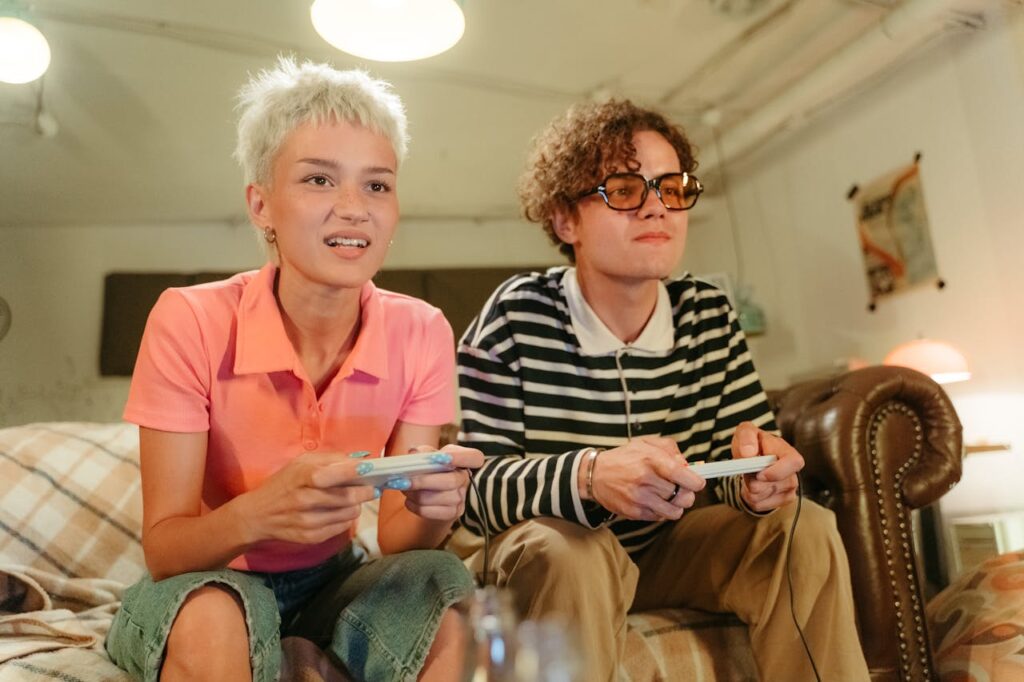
point(646, 479)
point(775, 485)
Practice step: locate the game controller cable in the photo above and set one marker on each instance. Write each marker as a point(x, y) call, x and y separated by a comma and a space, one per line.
point(487, 533)
point(789, 575)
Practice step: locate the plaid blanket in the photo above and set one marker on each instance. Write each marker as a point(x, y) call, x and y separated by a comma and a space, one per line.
point(70, 504)
point(46, 612)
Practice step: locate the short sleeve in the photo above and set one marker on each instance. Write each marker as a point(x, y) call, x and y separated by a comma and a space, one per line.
point(431, 400)
point(170, 388)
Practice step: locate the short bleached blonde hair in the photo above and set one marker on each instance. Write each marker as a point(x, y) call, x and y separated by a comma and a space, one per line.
point(277, 101)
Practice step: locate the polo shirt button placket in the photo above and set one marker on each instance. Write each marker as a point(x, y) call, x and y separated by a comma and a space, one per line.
point(311, 433)
point(311, 422)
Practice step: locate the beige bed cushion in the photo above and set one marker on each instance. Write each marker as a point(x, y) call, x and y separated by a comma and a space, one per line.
point(70, 501)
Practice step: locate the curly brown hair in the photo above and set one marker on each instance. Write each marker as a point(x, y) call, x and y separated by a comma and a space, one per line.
point(579, 149)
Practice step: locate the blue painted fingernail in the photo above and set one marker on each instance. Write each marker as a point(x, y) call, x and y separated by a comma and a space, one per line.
point(398, 484)
point(364, 468)
point(441, 458)
point(376, 493)
point(359, 454)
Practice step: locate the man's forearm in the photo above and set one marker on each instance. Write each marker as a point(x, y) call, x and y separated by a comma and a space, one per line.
point(518, 489)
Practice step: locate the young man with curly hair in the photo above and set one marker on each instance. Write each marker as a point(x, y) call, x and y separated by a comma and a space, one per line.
point(589, 387)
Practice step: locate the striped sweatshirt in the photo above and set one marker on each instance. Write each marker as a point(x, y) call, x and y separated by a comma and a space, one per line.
point(533, 400)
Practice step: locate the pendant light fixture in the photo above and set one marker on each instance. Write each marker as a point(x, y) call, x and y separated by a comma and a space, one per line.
point(24, 52)
point(942, 361)
point(389, 30)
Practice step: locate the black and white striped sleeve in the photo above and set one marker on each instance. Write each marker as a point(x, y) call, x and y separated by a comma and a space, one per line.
point(514, 485)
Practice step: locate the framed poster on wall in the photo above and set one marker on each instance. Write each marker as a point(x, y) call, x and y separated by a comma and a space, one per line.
point(894, 234)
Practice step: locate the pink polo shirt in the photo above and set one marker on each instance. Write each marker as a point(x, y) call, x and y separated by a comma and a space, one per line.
point(215, 357)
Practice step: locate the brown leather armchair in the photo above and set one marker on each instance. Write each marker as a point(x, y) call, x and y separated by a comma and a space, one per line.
point(879, 443)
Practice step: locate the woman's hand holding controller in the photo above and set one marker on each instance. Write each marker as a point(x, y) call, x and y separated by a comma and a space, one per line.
point(305, 502)
point(440, 496)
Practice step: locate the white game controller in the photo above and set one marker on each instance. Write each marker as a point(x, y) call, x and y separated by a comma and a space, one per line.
point(383, 470)
point(732, 467)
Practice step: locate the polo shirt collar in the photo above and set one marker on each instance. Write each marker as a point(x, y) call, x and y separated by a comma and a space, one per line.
point(370, 355)
point(262, 345)
point(658, 335)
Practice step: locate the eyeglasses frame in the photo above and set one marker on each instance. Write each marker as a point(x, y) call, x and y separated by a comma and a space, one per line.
point(649, 184)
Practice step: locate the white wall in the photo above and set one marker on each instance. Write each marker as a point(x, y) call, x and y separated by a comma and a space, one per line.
point(52, 277)
point(961, 104)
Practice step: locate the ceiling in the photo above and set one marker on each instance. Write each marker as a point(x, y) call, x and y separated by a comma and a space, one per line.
point(142, 91)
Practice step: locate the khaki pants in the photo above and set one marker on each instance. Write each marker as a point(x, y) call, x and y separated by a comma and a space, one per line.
point(716, 559)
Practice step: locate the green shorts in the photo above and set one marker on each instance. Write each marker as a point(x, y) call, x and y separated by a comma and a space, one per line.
point(378, 618)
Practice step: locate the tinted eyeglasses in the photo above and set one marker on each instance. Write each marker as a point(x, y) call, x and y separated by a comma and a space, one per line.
point(628, 191)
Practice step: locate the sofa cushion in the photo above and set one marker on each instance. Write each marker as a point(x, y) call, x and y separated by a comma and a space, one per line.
point(977, 623)
point(70, 502)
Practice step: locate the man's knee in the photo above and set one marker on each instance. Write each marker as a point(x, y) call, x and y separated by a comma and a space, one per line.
point(561, 545)
point(555, 551)
point(815, 537)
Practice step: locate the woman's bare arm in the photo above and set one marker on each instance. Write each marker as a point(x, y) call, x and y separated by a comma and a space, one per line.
point(302, 503)
point(173, 465)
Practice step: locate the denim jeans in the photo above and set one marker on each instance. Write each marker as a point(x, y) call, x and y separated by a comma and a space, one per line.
point(378, 618)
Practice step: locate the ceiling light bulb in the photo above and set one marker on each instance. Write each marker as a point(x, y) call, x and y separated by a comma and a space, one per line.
point(24, 52)
point(389, 30)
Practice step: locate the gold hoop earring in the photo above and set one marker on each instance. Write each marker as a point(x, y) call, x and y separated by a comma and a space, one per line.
point(269, 235)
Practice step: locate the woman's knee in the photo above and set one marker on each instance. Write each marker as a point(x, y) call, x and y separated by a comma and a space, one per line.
point(444, 569)
point(442, 563)
point(452, 632)
point(211, 619)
